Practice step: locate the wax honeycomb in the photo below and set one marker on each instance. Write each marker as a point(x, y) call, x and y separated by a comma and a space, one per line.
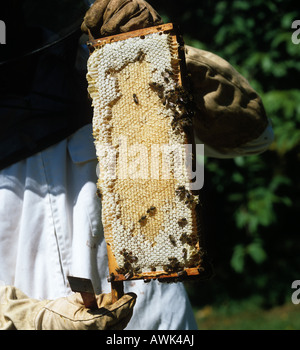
point(140, 115)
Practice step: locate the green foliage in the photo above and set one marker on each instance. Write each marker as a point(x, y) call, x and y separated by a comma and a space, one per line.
point(251, 204)
point(247, 315)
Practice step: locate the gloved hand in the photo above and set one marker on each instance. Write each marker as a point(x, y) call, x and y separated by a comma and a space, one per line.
point(17, 311)
point(110, 17)
point(229, 113)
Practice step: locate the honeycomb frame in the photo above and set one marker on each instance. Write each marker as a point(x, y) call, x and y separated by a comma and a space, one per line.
point(146, 89)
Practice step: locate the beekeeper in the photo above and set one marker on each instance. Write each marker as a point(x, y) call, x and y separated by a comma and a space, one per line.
point(50, 224)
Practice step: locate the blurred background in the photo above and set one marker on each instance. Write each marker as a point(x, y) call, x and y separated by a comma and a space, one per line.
point(251, 204)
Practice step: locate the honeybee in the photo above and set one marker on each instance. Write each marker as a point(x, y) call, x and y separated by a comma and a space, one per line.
point(123, 252)
point(167, 268)
point(184, 238)
point(140, 56)
point(172, 240)
point(121, 270)
point(184, 121)
point(128, 275)
point(151, 210)
point(156, 86)
point(135, 99)
point(111, 277)
point(171, 105)
point(153, 84)
point(182, 273)
point(189, 199)
point(169, 71)
point(98, 193)
point(133, 259)
point(164, 74)
point(136, 269)
point(142, 220)
point(180, 191)
point(160, 95)
point(174, 264)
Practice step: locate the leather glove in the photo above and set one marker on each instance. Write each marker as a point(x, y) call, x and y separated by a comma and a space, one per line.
point(229, 113)
point(110, 17)
point(17, 311)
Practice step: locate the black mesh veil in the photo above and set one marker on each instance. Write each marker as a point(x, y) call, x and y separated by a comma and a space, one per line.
point(43, 98)
point(33, 25)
